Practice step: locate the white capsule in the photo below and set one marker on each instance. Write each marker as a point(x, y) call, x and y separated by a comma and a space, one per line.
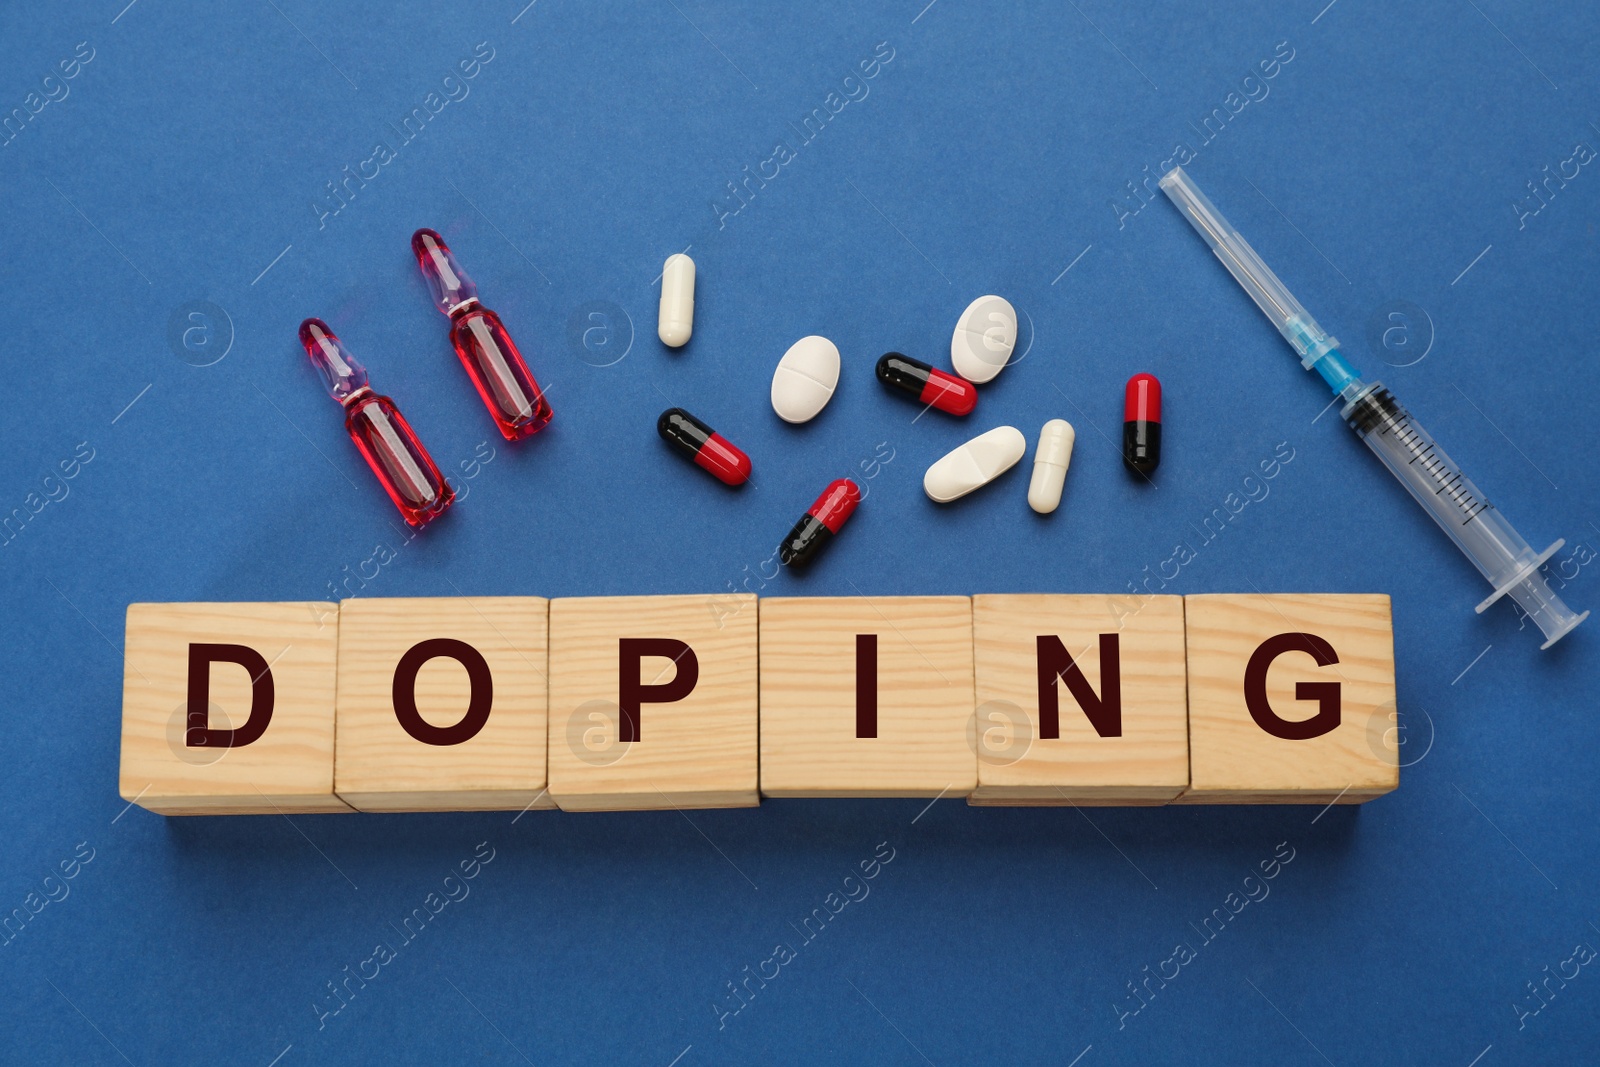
point(983, 339)
point(1050, 462)
point(805, 379)
point(676, 321)
point(975, 464)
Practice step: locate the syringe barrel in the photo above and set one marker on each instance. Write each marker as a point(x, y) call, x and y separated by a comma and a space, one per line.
point(1482, 533)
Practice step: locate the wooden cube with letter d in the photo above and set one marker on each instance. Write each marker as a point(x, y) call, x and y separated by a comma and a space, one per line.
point(227, 709)
point(1291, 699)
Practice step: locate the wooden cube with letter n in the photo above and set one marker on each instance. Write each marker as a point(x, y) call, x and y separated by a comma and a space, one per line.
point(653, 702)
point(442, 703)
point(227, 709)
point(1080, 699)
point(1291, 699)
point(867, 697)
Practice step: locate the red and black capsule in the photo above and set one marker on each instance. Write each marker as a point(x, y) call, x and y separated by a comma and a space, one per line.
point(817, 526)
point(705, 446)
point(1141, 424)
point(931, 386)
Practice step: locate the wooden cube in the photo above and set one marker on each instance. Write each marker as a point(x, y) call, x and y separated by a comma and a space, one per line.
point(442, 704)
point(1080, 700)
point(227, 709)
point(1290, 699)
point(867, 697)
point(653, 702)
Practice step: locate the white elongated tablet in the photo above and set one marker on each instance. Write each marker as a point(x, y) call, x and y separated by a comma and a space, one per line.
point(805, 379)
point(1050, 462)
point(676, 320)
point(985, 335)
point(975, 464)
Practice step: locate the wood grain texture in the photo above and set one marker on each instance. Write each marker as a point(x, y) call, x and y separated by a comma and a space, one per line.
point(1232, 759)
point(379, 766)
point(924, 746)
point(1147, 764)
point(288, 769)
point(698, 752)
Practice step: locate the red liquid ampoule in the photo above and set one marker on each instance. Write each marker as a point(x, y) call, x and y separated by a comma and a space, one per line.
point(383, 435)
point(508, 388)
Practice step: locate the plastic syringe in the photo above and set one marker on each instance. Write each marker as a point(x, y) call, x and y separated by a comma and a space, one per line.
point(1434, 480)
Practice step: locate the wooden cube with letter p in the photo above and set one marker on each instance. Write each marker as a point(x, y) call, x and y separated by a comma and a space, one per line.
point(1080, 699)
point(653, 702)
point(442, 703)
point(1291, 698)
point(227, 709)
point(867, 697)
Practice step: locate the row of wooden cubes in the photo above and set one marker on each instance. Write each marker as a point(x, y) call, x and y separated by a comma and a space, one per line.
point(609, 703)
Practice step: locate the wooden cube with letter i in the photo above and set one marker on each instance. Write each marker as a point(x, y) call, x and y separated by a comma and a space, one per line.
point(867, 697)
point(653, 702)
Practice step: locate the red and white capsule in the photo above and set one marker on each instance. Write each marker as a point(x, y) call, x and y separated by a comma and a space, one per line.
point(817, 526)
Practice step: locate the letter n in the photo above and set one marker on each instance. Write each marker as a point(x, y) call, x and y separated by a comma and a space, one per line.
point(1103, 710)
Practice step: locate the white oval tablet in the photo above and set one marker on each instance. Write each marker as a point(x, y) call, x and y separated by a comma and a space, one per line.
point(985, 335)
point(1050, 462)
point(975, 464)
point(805, 379)
point(675, 320)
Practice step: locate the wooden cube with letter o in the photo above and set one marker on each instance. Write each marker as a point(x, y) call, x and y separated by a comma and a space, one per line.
point(442, 703)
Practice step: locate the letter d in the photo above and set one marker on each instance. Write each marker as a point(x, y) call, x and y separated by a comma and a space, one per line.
point(199, 733)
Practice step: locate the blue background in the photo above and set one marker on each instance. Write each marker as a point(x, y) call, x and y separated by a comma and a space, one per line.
point(1382, 165)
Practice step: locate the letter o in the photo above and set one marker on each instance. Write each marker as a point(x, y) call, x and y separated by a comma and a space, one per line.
point(478, 703)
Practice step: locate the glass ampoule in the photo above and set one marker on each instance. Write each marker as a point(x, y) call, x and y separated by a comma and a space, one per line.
point(387, 441)
point(497, 369)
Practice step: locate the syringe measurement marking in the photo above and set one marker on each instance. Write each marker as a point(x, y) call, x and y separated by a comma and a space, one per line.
point(1465, 502)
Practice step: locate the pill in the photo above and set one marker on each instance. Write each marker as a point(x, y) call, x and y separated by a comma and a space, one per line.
point(950, 394)
point(676, 320)
point(984, 337)
point(1050, 462)
point(817, 526)
point(975, 464)
point(1141, 424)
point(705, 446)
point(805, 379)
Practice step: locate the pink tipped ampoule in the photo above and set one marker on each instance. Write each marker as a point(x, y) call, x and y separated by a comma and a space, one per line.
point(383, 435)
point(508, 388)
